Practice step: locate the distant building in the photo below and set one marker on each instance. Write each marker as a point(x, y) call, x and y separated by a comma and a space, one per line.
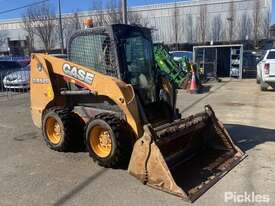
point(272, 34)
point(180, 22)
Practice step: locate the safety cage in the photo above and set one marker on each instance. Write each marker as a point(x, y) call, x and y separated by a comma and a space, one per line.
point(94, 48)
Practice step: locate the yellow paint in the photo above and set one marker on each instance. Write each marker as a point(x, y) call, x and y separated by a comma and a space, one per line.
point(53, 130)
point(49, 93)
point(103, 85)
point(100, 141)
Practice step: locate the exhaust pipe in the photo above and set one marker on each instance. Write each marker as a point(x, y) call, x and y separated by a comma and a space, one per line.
point(185, 157)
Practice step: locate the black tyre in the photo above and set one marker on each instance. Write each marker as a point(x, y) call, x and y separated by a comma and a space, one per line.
point(258, 80)
point(62, 130)
point(273, 85)
point(263, 85)
point(107, 141)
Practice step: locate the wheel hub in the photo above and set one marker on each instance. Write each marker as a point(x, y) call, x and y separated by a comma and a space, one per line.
point(101, 142)
point(53, 130)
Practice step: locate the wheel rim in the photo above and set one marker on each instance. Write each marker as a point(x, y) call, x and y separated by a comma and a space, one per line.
point(53, 130)
point(100, 141)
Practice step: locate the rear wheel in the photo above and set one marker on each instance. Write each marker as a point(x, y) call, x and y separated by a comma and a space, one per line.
point(258, 80)
point(273, 85)
point(107, 142)
point(263, 85)
point(62, 130)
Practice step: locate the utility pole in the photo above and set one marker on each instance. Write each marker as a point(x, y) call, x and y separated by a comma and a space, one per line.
point(124, 11)
point(60, 28)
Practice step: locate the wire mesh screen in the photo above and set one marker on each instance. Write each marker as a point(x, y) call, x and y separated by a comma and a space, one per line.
point(206, 58)
point(95, 51)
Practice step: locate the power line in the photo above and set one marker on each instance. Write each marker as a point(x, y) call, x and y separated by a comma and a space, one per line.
point(23, 7)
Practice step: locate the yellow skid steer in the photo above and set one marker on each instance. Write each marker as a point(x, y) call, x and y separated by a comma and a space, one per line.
point(109, 97)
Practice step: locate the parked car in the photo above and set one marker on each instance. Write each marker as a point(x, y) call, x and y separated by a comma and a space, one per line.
point(17, 80)
point(266, 70)
point(178, 55)
point(8, 67)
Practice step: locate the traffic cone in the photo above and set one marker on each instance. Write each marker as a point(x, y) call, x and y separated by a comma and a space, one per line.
point(193, 86)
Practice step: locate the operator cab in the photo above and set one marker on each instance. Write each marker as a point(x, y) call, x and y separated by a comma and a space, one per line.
point(124, 52)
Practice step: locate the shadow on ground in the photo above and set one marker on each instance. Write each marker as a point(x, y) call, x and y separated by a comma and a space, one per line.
point(204, 89)
point(26, 136)
point(247, 137)
point(269, 90)
point(65, 198)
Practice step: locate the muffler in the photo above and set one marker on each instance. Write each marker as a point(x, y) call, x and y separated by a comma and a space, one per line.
point(185, 157)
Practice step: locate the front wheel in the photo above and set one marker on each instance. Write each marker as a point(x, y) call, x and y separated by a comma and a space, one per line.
point(107, 142)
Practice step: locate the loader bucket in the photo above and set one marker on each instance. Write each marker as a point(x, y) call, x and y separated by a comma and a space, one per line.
point(185, 157)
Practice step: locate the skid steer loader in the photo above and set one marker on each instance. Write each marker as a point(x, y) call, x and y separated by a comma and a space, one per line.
point(109, 92)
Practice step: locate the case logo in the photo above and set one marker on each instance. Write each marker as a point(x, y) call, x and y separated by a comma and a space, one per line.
point(78, 74)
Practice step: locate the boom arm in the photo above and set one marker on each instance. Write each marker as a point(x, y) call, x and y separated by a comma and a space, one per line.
point(167, 66)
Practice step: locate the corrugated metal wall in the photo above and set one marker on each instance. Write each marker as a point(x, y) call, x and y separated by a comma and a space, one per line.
point(179, 22)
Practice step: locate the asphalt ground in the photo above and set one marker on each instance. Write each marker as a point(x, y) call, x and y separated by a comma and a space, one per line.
point(32, 174)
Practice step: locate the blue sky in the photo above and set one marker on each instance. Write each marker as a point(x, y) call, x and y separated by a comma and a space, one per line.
point(273, 11)
point(67, 5)
point(74, 5)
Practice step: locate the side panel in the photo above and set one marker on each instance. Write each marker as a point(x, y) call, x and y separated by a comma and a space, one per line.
point(41, 89)
point(44, 93)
